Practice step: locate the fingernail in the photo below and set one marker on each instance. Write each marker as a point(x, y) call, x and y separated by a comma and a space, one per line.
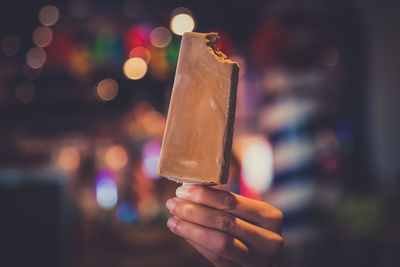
point(171, 203)
point(182, 191)
point(171, 223)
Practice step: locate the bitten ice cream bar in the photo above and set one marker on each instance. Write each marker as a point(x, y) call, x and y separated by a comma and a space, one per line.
point(198, 136)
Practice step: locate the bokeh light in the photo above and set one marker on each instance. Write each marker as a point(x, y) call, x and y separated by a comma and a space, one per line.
point(69, 158)
point(154, 122)
point(140, 52)
point(126, 213)
point(107, 89)
point(151, 155)
point(135, 68)
point(10, 45)
point(292, 154)
point(257, 166)
point(182, 23)
point(36, 58)
point(116, 157)
point(106, 193)
point(160, 37)
point(49, 15)
point(24, 92)
point(42, 36)
point(138, 35)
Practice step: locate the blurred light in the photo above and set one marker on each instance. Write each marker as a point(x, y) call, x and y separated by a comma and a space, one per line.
point(126, 213)
point(49, 15)
point(292, 154)
point(257, 166)
point(329, 161)
point(116, 157)
point(107, 89)
point(154, 122)
point(279, 115)
point(151, 155)
point(276, 81)
point(10, 45)
point(159, 66)
point(329, 56)
point(140, 52)
point(148, 207)
point(160, 37)
point(79, 61)
point(24, 92)
point(292, 197)
point(36, 57)
point(135, 68)
point(139, 35)
point(69, 158)
point(106, 192)
point(182, 23)
point(42, 36)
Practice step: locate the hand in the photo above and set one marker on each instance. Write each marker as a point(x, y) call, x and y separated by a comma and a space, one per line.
point(226, 228)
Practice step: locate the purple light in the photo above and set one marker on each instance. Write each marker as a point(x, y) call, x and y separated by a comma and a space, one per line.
point(151, 155)
point(106, 189)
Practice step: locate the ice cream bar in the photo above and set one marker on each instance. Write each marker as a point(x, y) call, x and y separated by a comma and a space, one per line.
point(198, 136)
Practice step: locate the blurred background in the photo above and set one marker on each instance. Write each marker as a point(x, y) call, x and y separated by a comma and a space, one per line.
point(84, 94)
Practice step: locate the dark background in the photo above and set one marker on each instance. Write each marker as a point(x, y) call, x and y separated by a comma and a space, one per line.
point(318, 91)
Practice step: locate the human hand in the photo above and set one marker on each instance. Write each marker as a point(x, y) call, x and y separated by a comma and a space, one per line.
point(226, 228)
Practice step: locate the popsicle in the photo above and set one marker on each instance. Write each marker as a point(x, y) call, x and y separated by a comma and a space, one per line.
point(197, 140)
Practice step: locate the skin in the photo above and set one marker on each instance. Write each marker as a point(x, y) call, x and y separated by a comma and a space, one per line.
point(226, 228)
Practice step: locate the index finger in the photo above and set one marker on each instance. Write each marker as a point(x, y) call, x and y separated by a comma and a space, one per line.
point(253, 211)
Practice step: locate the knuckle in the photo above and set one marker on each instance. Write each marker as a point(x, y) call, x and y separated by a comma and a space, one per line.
point(225, 223)
point(225, 244)
point(188, 211)
point(201, 194)
point(178, 227)
point(278, 215)
point(277, 245)
point(230, 201)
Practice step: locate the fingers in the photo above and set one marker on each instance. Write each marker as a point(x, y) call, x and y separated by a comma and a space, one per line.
point(261, 239)
point(212, 257)
point(253, 211)
point(220, 243)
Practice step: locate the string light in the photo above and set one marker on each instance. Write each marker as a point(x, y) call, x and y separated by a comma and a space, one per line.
point(141, 52)
point(49, 15)
point(106, 193)
point(160, 37)
point(135, 68)
point(107, 89)
point(36, 57)
point(151, 155)
point(116, 157)
point(42, 36)
point(182, 23)
point(257, 166)
point(69, 158)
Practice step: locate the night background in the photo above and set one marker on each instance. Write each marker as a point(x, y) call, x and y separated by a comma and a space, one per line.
point(84, 94)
